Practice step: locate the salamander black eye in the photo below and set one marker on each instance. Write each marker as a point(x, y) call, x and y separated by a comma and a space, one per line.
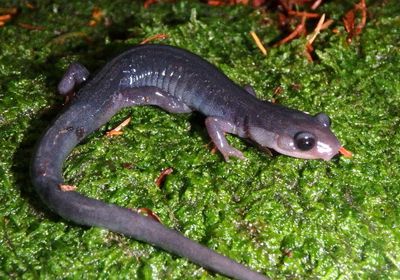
point(323, 119)
point(304, 141)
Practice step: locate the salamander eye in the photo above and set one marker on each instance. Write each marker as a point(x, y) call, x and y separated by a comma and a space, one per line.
point(323, 119)
point(304, 141)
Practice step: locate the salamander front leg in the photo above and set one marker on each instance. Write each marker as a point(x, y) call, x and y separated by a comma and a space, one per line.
point(75, 75)
point(216, 129)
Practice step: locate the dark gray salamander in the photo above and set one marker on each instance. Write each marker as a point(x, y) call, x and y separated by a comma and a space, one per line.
point(178, 82)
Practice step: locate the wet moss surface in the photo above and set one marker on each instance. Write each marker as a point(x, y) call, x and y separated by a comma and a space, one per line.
point(285, 217)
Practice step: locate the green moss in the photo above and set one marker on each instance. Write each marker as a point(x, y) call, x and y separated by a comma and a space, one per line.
point(285, 217)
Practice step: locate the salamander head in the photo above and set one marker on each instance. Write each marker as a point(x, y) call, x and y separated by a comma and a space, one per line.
point(302, 136)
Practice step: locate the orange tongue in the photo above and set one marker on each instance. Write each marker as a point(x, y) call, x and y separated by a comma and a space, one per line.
point(345, 152)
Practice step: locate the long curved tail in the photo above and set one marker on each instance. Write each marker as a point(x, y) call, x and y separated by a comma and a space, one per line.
point(46, 172)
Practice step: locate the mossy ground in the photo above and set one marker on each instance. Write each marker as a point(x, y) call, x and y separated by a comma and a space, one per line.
point(286, 217)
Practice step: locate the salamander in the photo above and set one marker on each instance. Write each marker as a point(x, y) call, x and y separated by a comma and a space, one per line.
point(178, 82)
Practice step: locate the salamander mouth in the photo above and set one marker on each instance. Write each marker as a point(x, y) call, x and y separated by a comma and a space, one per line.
point(320, 151)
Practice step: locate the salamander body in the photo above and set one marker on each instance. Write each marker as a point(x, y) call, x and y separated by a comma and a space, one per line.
point(178, 82)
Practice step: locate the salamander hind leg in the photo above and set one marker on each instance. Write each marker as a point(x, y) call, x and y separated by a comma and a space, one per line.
point(153, 96)
point(74, 76)
point(216, 129)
